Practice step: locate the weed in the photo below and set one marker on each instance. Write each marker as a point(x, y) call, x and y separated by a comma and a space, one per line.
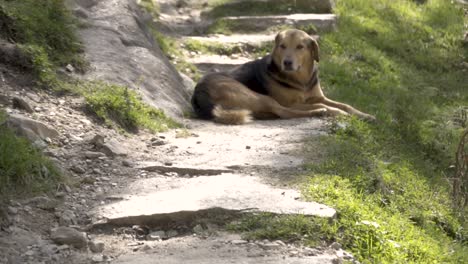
point(23, 169)
point(171, 48)
point(211, 47)
point(151, 6)
point(122, 108)
point(45, 31)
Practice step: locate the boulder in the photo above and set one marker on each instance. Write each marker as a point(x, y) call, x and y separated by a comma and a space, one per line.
point(121, 48)
point(69, 236)
point(30, 128)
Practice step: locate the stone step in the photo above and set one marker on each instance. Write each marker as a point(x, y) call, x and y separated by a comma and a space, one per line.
point(159, 198)
point(252, 39)
point(321, 22)
point(216, 63)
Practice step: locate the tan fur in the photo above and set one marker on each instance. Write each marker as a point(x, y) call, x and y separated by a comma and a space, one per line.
point(231, 116)
point(292, 86)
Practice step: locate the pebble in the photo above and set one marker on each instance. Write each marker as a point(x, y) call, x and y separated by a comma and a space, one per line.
point(96, 246)
point(336, 245)
point(97, 258)
point(69, 236)
point(239, 242)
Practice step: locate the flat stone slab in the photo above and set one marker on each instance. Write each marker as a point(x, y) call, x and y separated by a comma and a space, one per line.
point(193, 250)
point(189, 171)
point(172, 195)
point(254, 39)
point(323, 22)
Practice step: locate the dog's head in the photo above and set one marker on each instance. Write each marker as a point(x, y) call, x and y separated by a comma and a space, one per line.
point(294, 49)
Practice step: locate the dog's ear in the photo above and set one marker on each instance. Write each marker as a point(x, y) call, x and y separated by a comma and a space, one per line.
point(278, 38)
point(314, 49)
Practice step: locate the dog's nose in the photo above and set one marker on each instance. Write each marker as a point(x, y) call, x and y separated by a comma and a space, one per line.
point(287, 63)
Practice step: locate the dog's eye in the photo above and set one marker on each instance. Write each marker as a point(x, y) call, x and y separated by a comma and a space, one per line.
point(299, 47)
point(283, 46)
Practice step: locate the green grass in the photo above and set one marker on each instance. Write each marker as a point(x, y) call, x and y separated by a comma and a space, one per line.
point(172, 50)
point(45, 32)
point(122, 108)
point(401, 61)
point(151, 6)
point(211, 47)
point(23, 168)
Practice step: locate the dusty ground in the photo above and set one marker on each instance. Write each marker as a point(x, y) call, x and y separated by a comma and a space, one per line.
point(160, 198)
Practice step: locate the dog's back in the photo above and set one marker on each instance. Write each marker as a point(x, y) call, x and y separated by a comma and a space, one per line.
point(251, 75)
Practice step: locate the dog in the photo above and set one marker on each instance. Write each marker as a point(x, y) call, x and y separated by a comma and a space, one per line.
point(284, 84)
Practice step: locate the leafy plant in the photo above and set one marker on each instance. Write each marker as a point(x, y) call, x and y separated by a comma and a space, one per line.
point(121, 107)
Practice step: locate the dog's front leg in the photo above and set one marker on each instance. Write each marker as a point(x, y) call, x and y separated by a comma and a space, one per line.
point(347, 108)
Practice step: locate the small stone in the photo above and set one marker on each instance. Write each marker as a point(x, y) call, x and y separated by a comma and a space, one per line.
point(97, 140)
point(23, 104)
point(12, 210)
point(151, 237)
point(70, 68)
point(113, 148)
point(198, 229)
point(172, 233)
point(67, 218)
point(96, 246)
point(279, 242)
point(92, 154)
point(269, 246)
point(78, 169)
point(29, 253)
point(69, 236)
point(161, 234)
point(247, 147)
point(336, 245)
point(63, 247)
point(97, 258)
point(127, 163)
point(239, 242)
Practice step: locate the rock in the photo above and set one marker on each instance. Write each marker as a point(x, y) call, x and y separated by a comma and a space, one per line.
point(97, 140)
point(97, 259)
point(127, 163)
point(13, 55)
point(4, 99)
point(239, 242)
point(30, 128)
point(198, 229)
point(70, 68)
point(43, 202)
point(172, 233)
point(92, 154)
point(269, 246)
point(23, 104)
point(78, 169)
point(161, 234)
point(67, 218)
point(113, 148)
point(69, 236)
point(336, 245)
point(96, 246)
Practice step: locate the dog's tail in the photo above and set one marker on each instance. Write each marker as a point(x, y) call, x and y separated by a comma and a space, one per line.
point(231, 116)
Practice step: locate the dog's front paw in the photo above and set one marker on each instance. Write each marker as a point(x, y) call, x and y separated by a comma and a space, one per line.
point(368, 118)
point(320, 112)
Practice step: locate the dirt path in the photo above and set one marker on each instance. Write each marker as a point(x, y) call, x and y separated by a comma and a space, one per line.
point(166, 198)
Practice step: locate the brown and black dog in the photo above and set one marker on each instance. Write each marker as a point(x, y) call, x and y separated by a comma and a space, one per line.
point(284, 84)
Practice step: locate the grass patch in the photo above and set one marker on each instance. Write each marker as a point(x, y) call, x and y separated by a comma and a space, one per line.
point(151, 6)
point(23, 168)
point(222, 8)
point(401, 61)
point(389, 181)
point(172, 50)
point(211, 47)
point(45, 32)
point(122, 108)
